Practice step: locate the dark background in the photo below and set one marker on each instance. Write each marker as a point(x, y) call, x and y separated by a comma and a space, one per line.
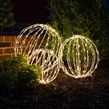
point(30, 11)
point(26, 13)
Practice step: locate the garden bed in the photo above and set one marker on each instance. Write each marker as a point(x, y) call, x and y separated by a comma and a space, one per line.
point(63, 93)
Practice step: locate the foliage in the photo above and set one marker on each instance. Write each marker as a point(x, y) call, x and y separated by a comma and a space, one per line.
point(76, 16)
point(17, 74)
point(6, 14)
point(88, 18)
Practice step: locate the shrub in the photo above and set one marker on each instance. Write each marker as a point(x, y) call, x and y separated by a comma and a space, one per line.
point(17, 74)
point(87, 18)
point(6, 14)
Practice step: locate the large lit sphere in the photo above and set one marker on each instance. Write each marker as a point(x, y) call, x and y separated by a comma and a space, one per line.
point(49, 63)
point(35, 37)
point(79, 56)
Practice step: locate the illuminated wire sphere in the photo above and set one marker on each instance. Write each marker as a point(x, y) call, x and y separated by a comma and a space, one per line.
point(79, 56)
point(49, 63)
point(35, 37)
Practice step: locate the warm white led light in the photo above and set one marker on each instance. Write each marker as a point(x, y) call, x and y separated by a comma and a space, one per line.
point(49, 63)
point(79, 56)
point(35, 37)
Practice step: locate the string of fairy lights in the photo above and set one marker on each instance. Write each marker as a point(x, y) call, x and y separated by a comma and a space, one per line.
point(48, 62)
point(77, 56)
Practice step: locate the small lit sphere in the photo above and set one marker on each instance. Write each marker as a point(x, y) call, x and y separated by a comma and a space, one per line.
point(35, 37)
point(79, 56)
point(49, 63)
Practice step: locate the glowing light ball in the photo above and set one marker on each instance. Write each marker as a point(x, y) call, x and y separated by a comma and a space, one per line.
point(79, 56)
point(49, 63)
point(35, 37)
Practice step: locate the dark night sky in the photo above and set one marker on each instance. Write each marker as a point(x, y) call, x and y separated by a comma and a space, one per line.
point(30, 11)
